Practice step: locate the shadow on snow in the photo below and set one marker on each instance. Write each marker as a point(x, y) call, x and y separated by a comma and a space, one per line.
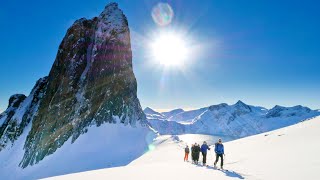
point(228, 173)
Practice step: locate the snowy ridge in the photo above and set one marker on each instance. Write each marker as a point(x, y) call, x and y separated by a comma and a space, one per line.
point(177, 115)
point(173, 112)
point(237, 120)
point(152, 114)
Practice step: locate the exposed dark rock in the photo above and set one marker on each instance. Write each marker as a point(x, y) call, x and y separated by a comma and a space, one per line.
point(90, 83)
point(20, 112)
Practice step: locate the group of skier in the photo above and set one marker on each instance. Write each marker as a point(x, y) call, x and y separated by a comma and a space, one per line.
point(196, 149)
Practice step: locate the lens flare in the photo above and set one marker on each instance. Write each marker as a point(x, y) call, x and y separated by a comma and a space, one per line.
point(162, 14)
point(151, 147)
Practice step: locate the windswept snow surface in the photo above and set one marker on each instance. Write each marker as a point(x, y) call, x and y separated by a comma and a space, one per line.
point(109, 145)
point(287, 153)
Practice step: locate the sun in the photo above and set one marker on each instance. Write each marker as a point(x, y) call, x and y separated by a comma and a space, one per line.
point(169, 49)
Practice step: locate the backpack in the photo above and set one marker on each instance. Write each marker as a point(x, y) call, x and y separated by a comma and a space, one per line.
point(186, 150)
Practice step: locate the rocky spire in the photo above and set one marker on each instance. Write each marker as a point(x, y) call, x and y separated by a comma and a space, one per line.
point(90, 83)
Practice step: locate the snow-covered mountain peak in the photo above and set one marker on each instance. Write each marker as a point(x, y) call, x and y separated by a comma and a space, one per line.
point(152, 114)
point(148, 110)
point(239, 102)
point(218, 107)
point(241, 107)
point(281, 111)
point(173, 112)
point(112, 13)
point(112, 23)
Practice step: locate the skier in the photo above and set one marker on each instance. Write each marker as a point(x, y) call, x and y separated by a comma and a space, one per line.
point(219, 150)
point(196, 152)
point(204, 148)
point(186, 153)
point(193, 154)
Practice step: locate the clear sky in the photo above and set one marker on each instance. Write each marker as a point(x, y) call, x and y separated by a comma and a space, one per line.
point(261, 52)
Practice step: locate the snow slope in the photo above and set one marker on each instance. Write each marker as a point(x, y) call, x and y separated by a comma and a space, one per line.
point(109, 145)
point(287, 153)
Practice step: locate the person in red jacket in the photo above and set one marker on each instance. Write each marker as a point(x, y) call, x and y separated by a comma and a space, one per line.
point(186, 153)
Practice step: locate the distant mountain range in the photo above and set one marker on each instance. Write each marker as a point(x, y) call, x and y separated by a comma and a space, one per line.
point(237, 120)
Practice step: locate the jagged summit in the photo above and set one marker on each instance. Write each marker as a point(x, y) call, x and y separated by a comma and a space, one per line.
point(16, 99)
point(111, 5)
point(239, 102)
point(242, 108)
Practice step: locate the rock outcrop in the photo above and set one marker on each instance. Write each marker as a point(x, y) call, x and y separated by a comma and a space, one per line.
point(90, 83)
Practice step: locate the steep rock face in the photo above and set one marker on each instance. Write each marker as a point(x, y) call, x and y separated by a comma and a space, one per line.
point(90, 83)
point(7, 125)
point(19, 113)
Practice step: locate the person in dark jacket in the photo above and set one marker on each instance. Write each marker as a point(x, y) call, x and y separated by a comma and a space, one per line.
point(192, 154)
point(197, 152)
point(219, 150)
point(204, 149)
point(186, 153)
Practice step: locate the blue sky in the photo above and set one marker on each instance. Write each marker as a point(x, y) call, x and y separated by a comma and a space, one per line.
point(261, 52)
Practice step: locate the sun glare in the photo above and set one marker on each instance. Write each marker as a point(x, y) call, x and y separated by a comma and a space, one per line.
point(169, 50)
